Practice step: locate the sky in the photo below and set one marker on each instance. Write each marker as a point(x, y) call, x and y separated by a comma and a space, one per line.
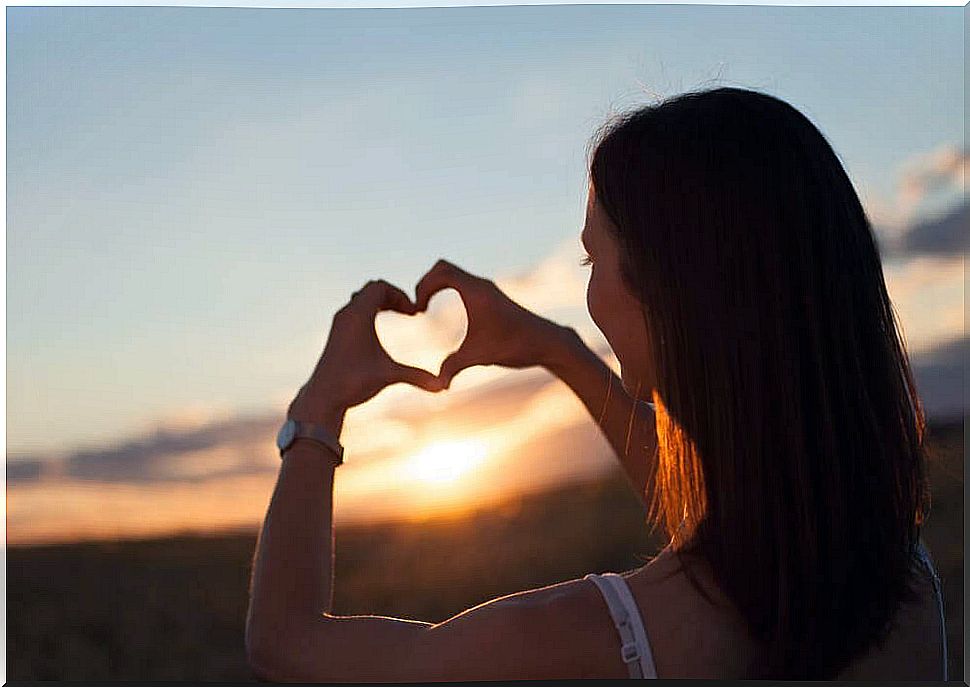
point(193, 192)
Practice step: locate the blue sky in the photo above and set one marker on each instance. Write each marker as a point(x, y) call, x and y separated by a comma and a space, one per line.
point(192, 192)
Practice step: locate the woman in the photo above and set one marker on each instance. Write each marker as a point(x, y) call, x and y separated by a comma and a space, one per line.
point(735, 275)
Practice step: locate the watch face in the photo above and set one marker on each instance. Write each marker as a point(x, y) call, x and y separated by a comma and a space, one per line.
point(287, 432)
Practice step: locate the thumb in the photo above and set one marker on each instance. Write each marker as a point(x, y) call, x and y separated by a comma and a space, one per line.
point(452, 365)
point(415, 376)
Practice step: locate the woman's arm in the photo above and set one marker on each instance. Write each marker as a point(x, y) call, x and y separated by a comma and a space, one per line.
point(627, 425)
point(291, 635)
point(291, 591)
point(292, 577)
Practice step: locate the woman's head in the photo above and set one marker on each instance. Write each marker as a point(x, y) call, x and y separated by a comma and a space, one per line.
point(751, 301)
point(614, 308)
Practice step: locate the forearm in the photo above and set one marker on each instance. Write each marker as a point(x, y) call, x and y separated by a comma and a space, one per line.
point(292, 579)
point(628, 426)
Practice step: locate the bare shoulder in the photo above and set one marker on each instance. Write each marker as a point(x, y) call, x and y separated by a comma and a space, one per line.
point(691, 636)
point(559, 631)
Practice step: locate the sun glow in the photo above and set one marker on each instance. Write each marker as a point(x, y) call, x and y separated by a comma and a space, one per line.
point(446, 462)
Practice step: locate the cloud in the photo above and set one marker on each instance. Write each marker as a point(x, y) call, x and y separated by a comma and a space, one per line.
point(927, 294)
point(500, 400)
point(424, 340)
point(557, 282)
point(939, 375)
point(25, 470)
point(945, 235)
point(923, 250)
point(516, 405)
point(67, 510)
point(213, 450)
point(900, 228)
point(933, 171)
point(198, 443)
point(221, 474)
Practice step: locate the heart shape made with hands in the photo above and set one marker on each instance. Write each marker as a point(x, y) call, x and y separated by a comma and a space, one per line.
point(424, 340)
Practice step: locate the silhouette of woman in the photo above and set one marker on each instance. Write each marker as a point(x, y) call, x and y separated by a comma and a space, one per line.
point(736, 277)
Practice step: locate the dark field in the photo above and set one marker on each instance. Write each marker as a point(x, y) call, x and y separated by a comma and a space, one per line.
point(174, 608)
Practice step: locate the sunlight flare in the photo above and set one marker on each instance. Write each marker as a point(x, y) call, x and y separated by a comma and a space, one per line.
point(447, 461)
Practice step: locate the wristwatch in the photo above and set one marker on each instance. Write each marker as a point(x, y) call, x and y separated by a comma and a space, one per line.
point(295, 429)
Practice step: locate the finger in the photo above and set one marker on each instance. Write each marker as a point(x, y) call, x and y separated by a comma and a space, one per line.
point(442, 275)
point(416, 377)
point(453, 364)
point(378, 295)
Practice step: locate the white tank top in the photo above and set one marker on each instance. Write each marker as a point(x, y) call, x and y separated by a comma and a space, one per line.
point(635, 645)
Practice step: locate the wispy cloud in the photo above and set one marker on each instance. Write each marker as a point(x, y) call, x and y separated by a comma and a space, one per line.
point(923, 250)
point(557, 282)
point(936, 170)
point(927, 293)
point(235, 446)
point(424, 340)
point(536, 429)
point(901, 227)
point(939, 375)
point(947, 234)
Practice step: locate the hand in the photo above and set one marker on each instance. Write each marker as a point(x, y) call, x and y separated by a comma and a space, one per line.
point(354, 366)
point(500, 331)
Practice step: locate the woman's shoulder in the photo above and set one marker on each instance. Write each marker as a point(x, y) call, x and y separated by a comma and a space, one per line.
point(571, 623)
point(688, 636)
point(692, 634)
point(698, 636)
point(571, 619)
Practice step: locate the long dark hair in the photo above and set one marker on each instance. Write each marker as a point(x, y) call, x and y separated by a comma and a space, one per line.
point(790, 432)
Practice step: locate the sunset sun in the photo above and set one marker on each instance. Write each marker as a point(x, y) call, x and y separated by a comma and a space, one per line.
point(447, 461)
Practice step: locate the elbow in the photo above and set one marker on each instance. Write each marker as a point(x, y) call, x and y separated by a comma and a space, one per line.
point(262, 655)
point(274, 656)
point(260, 674)
point(260, 661)
point(268, 664)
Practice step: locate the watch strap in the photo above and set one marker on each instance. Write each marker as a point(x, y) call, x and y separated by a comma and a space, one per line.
point(319, 434)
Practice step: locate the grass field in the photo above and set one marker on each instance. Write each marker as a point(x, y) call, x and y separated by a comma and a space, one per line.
point(174, 608)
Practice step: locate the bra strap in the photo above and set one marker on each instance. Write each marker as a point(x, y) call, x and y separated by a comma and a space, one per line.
point(634, 649)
